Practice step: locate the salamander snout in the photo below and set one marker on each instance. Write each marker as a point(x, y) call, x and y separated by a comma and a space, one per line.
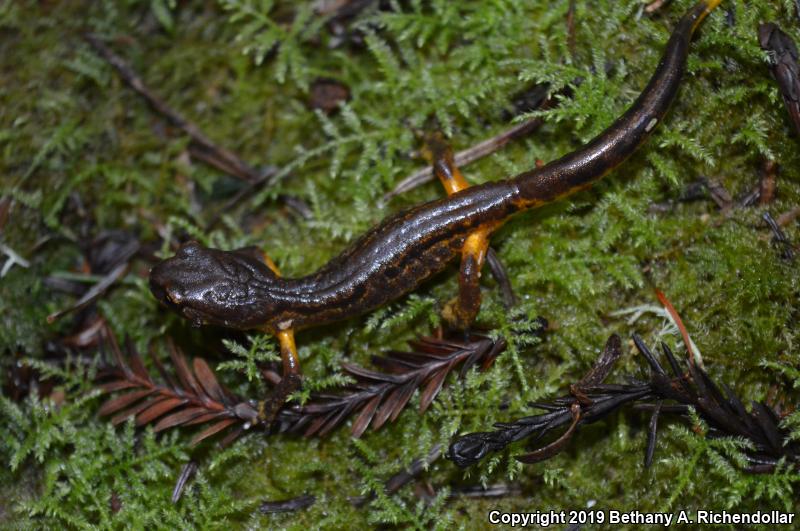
point(168, 283)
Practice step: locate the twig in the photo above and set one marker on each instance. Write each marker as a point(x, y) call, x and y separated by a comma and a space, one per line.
point(768, 182)
point(288, 506)
point(90, 296)
point(541, 100)
point(88, 335)
point(247, 190)
point(214, 155)
point(500, 490)
point(571, 31)
point(295, 204)
point(779, 236)
point(201, 147)
point(719, 193)
point(788, 216)
point(108, 254)
point(215, 160)
point(402, 478)
point(478, 151)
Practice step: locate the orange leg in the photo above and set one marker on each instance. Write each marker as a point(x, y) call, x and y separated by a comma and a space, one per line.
point(461, 314)
point(438, 153)
point(473, 255)
point(292, 375)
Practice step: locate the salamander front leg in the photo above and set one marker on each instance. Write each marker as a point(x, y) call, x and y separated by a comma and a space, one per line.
point(292, 375)
point(291, 381)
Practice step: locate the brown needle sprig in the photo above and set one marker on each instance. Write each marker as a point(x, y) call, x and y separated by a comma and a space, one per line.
point(379, 397)
point(197, 397)
point(591, 400)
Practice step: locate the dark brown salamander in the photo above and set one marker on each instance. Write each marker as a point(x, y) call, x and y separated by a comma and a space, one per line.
point(240, 289)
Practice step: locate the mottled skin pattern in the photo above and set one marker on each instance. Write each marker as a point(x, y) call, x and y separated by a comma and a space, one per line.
point(237, 289)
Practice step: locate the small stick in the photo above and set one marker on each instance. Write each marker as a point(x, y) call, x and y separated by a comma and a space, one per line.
point(779, 236)
point(719, 194)
point(201, 148)
point(768, 182)
point(288, 506)
point(763, 193)
point(96, 291)
point(471, 154)
point(571, 31)
point(788, 216)
point(214, 160)
point(490, 145)
point(500, 490)
point(187, 472)
point(403, 477)
point(247, 190)
point(216, 156)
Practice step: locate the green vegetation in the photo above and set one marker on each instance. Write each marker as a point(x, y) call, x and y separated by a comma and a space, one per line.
point(241, 70)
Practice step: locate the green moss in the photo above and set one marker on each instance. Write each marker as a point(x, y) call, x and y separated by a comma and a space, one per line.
point(69, 126)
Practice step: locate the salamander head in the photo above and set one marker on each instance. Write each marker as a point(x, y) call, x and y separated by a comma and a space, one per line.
point(209, 286)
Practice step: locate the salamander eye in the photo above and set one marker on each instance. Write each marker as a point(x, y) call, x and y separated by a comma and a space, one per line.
point(175, 296)
point(188, 249)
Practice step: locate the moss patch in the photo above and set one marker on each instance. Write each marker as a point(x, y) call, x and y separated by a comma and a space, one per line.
point(68, 127)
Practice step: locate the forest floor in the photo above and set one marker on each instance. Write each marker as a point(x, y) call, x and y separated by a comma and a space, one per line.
point(88, 168)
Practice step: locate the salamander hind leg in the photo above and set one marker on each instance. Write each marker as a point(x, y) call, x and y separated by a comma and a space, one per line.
point(460, 313)
point(438, 153)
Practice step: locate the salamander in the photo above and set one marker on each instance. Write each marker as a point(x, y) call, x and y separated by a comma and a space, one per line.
point(243, 289)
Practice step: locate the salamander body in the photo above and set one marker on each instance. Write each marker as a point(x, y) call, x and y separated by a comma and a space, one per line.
point(239, 289)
